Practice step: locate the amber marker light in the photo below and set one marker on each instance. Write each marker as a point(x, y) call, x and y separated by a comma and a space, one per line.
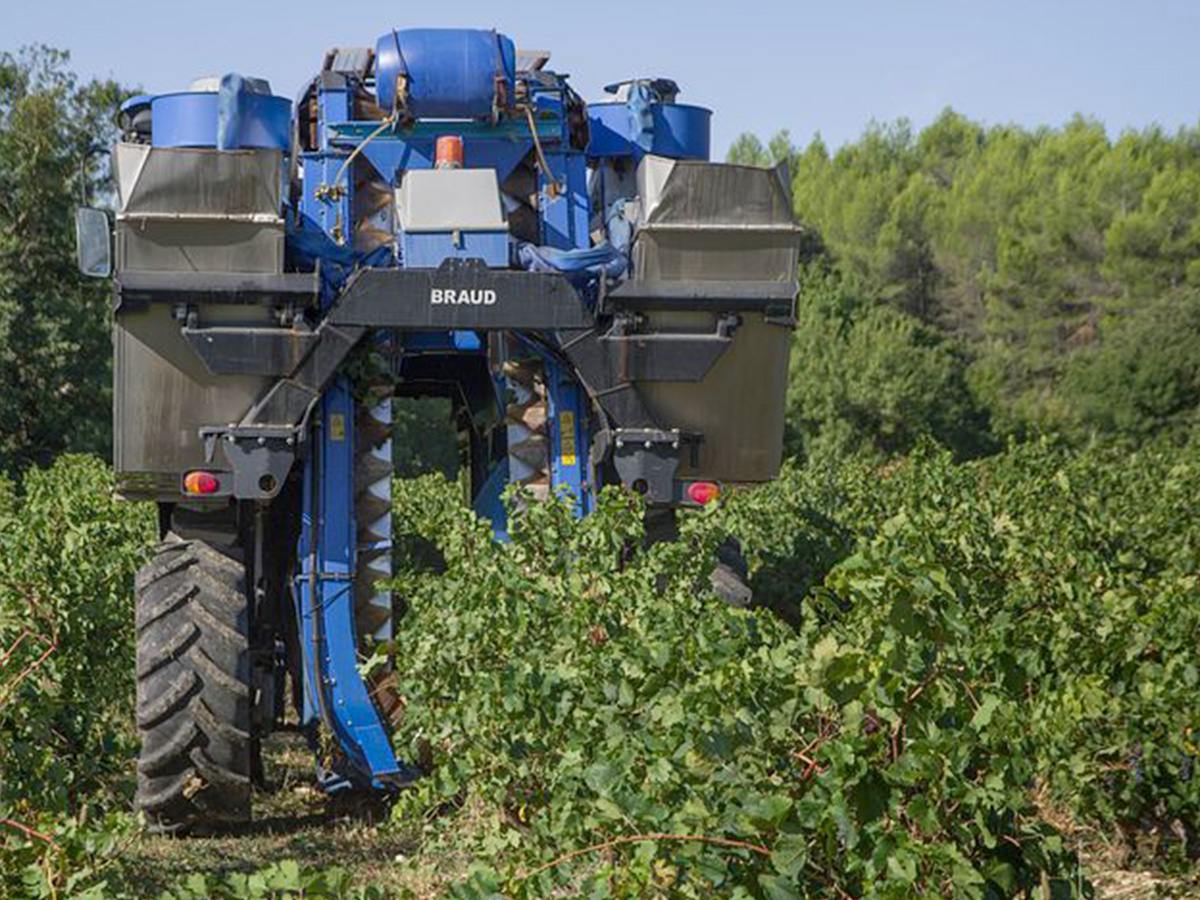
point(201, 483)
point(448, 152)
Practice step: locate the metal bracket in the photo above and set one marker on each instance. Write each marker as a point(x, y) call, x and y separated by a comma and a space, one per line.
point(775, 299)
point(260, 457)
point(646, 460)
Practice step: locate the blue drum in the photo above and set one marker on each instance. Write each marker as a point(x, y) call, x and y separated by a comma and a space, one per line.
point(643, 117)
point(233, 117)
point(449, 73)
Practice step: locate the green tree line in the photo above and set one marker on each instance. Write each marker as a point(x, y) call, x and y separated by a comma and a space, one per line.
point(987, 281)
point(54, 343)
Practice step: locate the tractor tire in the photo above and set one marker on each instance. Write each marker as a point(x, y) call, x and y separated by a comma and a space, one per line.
point(193, 688)
point(730, 578)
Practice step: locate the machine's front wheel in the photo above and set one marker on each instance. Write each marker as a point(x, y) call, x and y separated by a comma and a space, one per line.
point(193, 687)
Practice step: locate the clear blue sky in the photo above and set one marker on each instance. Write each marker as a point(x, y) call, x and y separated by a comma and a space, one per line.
point(808, 66)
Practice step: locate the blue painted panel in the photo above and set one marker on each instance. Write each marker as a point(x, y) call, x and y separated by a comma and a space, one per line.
point(390, 155)
point(570, 458)
point(430, 249)
point(305, 598)
point(566, 210)
point(469, 341)
point(329, 209)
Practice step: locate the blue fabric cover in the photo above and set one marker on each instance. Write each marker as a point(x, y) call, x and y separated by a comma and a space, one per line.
point(230, 100)
point(306, 245)
point(580, 266)
point(641, 102)
point(619, 228)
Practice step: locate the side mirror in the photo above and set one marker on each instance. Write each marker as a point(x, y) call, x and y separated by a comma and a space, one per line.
point(93, 242)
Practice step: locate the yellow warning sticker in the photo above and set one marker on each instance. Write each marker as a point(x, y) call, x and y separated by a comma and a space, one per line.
point(566, 438)
point(337, 427)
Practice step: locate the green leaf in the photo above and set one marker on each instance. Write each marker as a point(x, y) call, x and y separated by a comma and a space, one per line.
point(902, 866)
point(987, 708)
point(1004, 876)
point(790, 855)
point(767, 810)
point(778, 888)
point(284, 876)
point(601, 776)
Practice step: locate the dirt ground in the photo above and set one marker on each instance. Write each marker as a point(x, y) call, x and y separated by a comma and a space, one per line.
point(293, 820)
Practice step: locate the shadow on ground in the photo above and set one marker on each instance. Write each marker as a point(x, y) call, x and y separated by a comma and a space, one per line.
point(787, 570)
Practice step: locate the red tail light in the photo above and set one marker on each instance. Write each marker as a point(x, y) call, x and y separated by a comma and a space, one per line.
point(201, 483)
point(703, 492)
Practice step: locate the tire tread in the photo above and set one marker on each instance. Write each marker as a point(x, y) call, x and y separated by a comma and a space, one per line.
point(193, 679)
